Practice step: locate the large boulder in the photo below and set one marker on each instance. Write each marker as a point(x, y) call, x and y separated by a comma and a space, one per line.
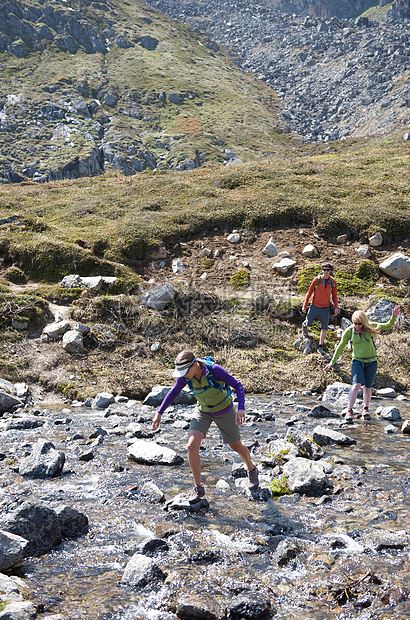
point(159, 297)
point(56, 330)
point(36, 523)
point(325, 436)
point(73, 523)
point(159, 392)
point(381, 312)
point(12, 549)
point(336, 395)
point(73, 341)
point(396, 266)
point(306, 477)
point(8, 401)
point(150, 453)
point(43, 462)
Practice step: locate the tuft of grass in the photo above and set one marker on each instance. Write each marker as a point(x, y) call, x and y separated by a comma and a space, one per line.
point(240, 279)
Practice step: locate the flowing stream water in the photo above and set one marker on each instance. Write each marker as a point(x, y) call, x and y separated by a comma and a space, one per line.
point(346, 567)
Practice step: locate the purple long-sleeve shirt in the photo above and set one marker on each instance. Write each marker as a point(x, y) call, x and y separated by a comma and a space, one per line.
point(220, 374)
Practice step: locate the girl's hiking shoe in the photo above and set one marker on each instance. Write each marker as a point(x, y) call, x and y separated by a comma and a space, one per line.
point(365, 414)
point(321, 350)
point(197, 494)
point(253, 479)
point(349, 416)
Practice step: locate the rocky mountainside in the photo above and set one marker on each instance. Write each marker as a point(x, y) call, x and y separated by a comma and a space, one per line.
point(90, 85)
point(337, 76)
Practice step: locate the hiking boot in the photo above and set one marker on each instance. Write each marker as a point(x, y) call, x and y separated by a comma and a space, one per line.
point(305, 331)
point(321, 350)
point(365, 414)
point(349, 416)
point(197, 494)
point(253, 479)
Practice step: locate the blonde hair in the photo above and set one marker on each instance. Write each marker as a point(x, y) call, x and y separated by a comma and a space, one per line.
point(361, 317)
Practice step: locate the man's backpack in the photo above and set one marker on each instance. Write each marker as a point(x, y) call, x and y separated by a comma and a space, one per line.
point(320, 281)
point(209, 362)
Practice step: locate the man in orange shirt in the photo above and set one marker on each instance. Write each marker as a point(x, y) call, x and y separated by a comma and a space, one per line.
point(321, 287)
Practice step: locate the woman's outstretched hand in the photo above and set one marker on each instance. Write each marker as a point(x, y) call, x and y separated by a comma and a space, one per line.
point(396, 311)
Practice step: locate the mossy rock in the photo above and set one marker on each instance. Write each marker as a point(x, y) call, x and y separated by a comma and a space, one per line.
point(16, 275)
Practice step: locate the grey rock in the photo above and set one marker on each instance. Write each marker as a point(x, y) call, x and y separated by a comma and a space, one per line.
point(405, 429)
point(159, 392)
point(325, 436)
point(141, 571)
point(150, 453)
point(20, 610)
point(289, 548)
point(389, 413)
point(336, 395)
point(320, 411)
point(306, 446)
point(390, 429)
point(309, 251)
point(234, 238)
point(12, 588)
point(376, 240)
point(73, 523)
point(306, 477)
point(381, 312)
point(56, 330)
point(364, 251)
point(73, 342)
point(151, 493)
point(250, 606)
point(270, 248)
point(181, 502)
point(149, 43)
point(43, 462)
point(396, 266)
point(8, 401)
point(12, 550)
point(159, 298)
point(23, 424)
point(386, 393)
point(36, 523)
point(284, 266)
point(283, 449)
point(203, 607)
point(102, 400)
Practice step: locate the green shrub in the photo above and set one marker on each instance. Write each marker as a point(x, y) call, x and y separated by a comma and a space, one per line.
point(367, 270)
point(348, 284)
point(240, 279)
point(305, 278)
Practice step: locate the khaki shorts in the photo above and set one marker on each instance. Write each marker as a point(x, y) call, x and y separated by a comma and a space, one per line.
point(225, 422)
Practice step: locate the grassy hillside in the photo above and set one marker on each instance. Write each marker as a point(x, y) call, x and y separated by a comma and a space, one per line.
point(182, 100)
point(87, 224)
